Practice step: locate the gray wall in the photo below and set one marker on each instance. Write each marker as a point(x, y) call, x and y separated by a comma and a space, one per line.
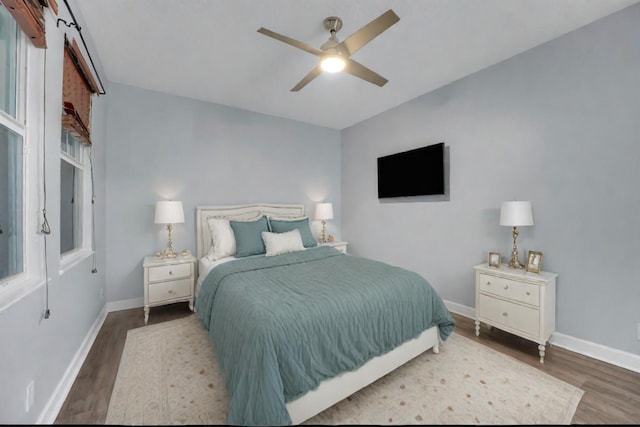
point(558, 125)
point(34, 349)
point(168, 147)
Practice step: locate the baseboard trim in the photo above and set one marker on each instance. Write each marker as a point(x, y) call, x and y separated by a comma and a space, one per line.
point(460, 309)
point(597, 351)
point(124, 304)
point(601, 352)
point(53, 406)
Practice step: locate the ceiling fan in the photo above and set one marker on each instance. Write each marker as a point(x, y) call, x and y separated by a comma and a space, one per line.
point(335, 55)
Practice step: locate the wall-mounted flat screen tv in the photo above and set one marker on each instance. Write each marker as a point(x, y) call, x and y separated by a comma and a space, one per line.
point(418, 172)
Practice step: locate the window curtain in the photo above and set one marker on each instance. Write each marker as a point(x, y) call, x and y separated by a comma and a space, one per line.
point(78, 85)
point(29, 16)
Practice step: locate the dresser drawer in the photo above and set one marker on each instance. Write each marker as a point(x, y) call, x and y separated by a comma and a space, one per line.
point(169, 290)
point(525, 319)
point(517, 291)
point(169, 272)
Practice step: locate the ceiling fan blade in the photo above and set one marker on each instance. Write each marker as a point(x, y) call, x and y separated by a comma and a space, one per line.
point(356, 69)
point(310, 76)
point(364, 35)
point(292, 42)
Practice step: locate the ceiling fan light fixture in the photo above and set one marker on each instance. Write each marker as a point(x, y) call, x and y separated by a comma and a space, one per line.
point(334, 55)
point(332, 63)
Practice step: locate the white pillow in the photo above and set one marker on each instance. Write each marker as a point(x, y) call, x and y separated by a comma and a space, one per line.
point(223, 242)
point(279, 243)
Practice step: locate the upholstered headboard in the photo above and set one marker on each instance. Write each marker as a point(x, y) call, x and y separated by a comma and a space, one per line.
point(203, 235)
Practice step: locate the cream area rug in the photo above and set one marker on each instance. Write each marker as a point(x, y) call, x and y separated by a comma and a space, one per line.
point(168, 375)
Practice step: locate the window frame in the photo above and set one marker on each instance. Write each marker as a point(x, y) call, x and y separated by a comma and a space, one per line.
point(83, 249)
point(74, 83)
point(29, 89)
point(17, 125)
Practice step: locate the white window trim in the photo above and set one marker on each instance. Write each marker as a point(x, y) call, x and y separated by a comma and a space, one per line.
point(67, 158)
point(73, 257)
point(17, 126)
point(12, 124)
point(28, 110)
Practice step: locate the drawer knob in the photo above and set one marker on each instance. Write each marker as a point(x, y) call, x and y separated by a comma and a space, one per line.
point(171, 291)
point(506, 286)
point(528, 293)
point(488, 283)
point(170, 272)
point(505, 314)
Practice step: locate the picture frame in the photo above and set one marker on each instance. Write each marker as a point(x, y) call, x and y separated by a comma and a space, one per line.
point(494, 259)
point(534, 262)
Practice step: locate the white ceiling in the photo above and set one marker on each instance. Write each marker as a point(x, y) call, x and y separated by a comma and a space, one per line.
point(210, 49)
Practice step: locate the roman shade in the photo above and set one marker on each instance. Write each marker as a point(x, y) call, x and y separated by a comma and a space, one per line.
point(78, 85)
point(29, 16)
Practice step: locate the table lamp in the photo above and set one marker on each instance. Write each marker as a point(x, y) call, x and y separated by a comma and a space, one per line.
point(169, 212)
point(324, 211)
point(515, 214)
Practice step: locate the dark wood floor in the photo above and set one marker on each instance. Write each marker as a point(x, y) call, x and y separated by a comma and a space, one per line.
point(88, 399)
point(612, 394)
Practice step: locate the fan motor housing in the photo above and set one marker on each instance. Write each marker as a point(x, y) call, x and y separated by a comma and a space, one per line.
point(332, 23)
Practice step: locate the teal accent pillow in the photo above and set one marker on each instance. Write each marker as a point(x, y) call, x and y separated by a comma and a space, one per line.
point(248, 236)
point(302, 224)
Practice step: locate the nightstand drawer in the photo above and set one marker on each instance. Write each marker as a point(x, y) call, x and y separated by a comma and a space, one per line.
point(169, 290)
point(169, 272)
point(518, 291)
point(341, 248)
point(515, 316)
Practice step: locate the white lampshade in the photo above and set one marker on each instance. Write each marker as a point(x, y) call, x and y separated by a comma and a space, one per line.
point(516, 214)
point(324, 211)
point(169, 212)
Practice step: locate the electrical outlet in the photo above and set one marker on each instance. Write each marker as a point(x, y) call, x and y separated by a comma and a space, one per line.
point(29, 396)
point(101, 292)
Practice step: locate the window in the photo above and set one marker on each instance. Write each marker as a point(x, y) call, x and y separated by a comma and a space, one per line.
point(12, 160)
point(71, 192)
point(75, 176)
point(8, 60)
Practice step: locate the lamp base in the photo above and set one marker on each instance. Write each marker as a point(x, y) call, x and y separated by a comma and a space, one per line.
point(170, 251)
point(514, 263)
point(323, 237)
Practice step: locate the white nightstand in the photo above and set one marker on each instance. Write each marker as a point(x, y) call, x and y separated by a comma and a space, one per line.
point(517, 301)
point(341, 246)
point(167, 281)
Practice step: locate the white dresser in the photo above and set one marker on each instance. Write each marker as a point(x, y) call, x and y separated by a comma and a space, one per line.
point(167, 281)
point(517, 301)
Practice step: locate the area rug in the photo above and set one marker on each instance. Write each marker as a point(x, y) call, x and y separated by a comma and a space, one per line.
point(168, 375)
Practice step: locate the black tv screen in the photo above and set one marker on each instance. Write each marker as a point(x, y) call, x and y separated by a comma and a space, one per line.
point(418, 172)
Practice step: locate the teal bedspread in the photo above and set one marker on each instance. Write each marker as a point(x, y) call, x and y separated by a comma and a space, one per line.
point(280, 325)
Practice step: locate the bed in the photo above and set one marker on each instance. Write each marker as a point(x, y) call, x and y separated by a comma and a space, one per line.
point(298, 332)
